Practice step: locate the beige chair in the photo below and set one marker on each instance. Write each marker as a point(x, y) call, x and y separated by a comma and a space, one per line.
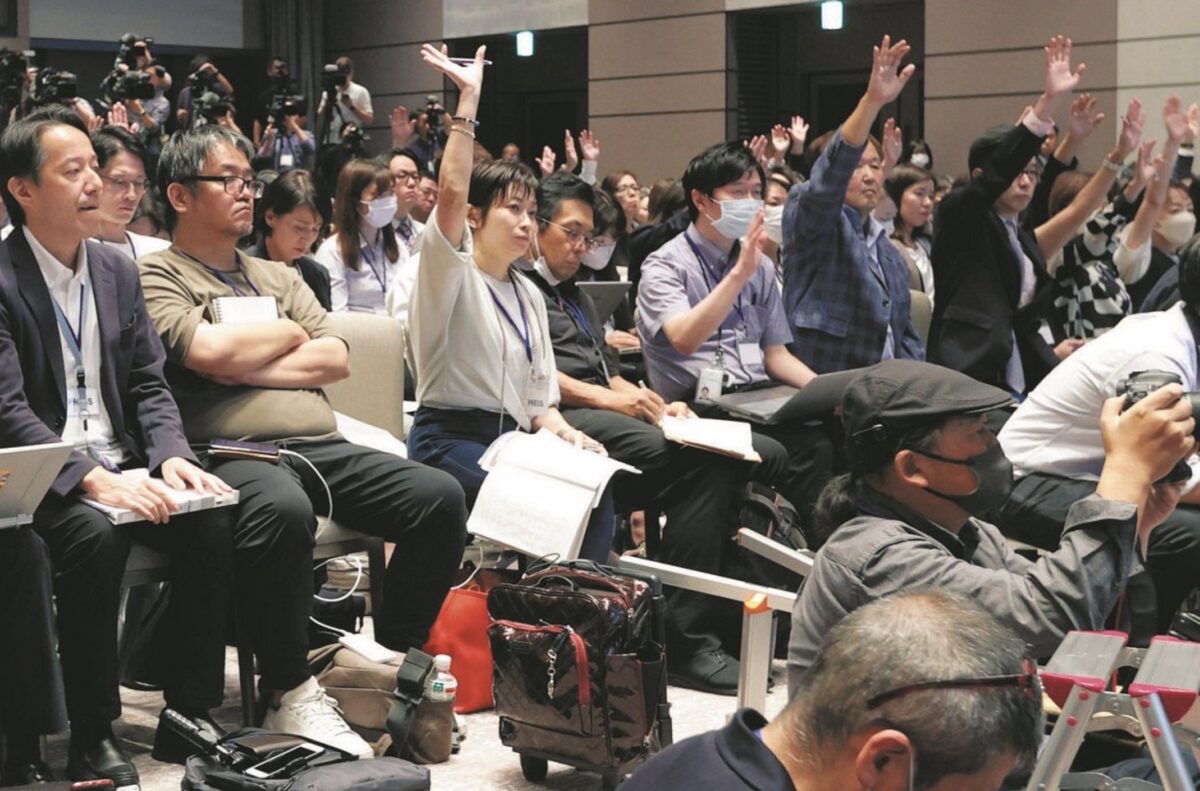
point(921, 312)
point(374, 393)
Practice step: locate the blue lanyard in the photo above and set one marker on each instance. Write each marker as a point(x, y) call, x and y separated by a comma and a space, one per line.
point(219, 275)
point(706, 271)
point(404, 228)
point(577, 315)
point(526, 337)
point(368, 255)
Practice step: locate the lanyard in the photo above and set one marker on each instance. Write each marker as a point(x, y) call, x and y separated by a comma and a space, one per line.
point(527, 336)
point(219, 275)
point(404, 228)
point(716, 277)
point(369, 256)
point(577, 315)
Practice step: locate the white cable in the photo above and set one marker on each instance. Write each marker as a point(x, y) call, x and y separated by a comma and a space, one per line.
point(321, 478)
point(353, 588)
point(327, 626)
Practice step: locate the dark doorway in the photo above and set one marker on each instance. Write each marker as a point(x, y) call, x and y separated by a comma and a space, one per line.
point(530, 101)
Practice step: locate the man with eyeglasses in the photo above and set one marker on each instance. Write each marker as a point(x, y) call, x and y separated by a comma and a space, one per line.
point(261, 380)
point(123, 166)
point(696, 489)
point(80, 362)
point(924, 467)
point(919, 690)
point(406, 173)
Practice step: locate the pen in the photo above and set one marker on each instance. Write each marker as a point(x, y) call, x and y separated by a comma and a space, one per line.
point(467, 61)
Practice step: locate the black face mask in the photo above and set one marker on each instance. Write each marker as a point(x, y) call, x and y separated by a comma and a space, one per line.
point(994, 473)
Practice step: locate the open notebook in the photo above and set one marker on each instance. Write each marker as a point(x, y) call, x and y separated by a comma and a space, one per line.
point(726, 437)
point(187, 500)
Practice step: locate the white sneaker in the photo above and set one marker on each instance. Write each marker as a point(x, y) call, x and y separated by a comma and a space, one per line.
point(308, 711)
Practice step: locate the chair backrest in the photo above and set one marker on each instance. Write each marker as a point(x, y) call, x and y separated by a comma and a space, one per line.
point(922, 313)
point(374, 392)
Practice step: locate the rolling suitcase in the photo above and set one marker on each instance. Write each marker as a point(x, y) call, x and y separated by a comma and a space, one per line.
point(579, 669)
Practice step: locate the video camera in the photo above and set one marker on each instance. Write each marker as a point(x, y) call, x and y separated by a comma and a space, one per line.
point(353, 138)
point(121, 85)
point(333, 77)
point(13, 66)
point(286, 104)
point(202, 81)
point(54, 86)
point(129, 50)
point(434, 112)
point(1141, 384)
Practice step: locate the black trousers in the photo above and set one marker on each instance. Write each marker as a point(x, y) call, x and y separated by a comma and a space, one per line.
point(698, 491)
point(31, 685)
point(418, 508)
point(88, 554)
point(1037, 510)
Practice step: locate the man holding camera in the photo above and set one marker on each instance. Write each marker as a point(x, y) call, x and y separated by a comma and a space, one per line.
point(280, 83)
point(352, 101)
point(286, 144)
point(1057, 449)
point(203, 77)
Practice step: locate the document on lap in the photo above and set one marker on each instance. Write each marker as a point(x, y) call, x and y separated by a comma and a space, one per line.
point(539, 493)
point(726, 437)
point(188, 500)
point(244, 310)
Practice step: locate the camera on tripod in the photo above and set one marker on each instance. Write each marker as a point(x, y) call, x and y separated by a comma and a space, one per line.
point(13, 66)
point(333, 77)
point(1141, 384)
point(55, 86)
point(121, 85)
point(130, 47)
point(284, 105)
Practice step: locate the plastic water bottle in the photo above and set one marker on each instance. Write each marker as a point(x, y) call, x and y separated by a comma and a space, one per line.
point(441, 684)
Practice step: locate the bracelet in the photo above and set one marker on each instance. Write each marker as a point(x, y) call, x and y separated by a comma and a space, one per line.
point(464, 119)
point(464, 130)
point(1115, 167)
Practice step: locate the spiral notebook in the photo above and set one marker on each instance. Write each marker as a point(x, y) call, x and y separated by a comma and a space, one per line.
point(244, 310)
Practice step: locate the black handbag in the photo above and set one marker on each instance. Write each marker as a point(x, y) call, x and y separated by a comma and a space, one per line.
point(377, 774)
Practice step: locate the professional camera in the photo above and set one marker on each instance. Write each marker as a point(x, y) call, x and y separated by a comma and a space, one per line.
point(131, 46)
point(333, 77)
point(286, 104)
point(53, 86)
point(353, 137)
point(434, 112)
point(121, 85)
point(1141, 384)
point(208, 107)
point(12, 75)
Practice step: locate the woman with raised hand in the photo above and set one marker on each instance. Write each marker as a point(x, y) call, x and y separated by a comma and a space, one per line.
point(480, 341)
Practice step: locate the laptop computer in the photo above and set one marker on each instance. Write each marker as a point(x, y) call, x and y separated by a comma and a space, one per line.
point(779, 403)
point(606, 295)
point(26, 474)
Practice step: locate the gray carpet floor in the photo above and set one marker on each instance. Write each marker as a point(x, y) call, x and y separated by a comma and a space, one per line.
point(483, 763)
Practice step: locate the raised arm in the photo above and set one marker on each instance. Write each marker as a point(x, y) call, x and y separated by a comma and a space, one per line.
point(454, 180)
point(886, 83)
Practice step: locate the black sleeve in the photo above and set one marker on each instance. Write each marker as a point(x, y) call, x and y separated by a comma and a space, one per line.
point(1039, 207)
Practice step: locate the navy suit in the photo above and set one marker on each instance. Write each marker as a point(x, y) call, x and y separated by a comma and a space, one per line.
point(87, 552)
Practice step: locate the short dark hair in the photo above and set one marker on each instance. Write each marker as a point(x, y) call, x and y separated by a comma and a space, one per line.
point(184, 156)
point(899, 180)
point(716, 166)
point(21, 154)
point(607, 215)
point(293, 190)
point(109, 141)
point(197, 62)
point(407, 153)
point(666, 200)
point(492, 182)
point(1189, 273)
point(345, 64)
point(559, 187)
point(986, 144)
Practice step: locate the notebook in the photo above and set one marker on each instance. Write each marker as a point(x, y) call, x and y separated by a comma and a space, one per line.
point(188, 500)
point(26, 474)
point(606, 295)
point(244, 310)
point(726, 437)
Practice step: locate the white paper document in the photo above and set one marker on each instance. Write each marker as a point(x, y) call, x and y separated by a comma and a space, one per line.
point(188, 500)
point(244, 310)
point(539, 493)
point(727, 437)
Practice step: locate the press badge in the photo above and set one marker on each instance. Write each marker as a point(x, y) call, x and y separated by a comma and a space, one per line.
point(537, 394)
point(709, 385)
point(287, 160)
point(90, 405)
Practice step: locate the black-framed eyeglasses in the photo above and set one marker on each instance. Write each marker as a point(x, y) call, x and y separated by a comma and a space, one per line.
point(406, 178)
point(234, 184)
point(122, 185)
point(574, 237)
point(1027, 680)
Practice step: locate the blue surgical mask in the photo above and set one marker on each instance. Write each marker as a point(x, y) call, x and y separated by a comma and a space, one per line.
point(736, 216)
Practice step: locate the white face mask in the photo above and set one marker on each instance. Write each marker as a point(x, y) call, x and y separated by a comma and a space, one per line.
point(736, 216)
point(598, 259)
point(380, 211)
point(1177, 229)
point(920, 160)
point(773, 223)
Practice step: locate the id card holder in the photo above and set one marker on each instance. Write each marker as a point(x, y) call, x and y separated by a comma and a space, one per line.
point(709, 385)
point(537, 394)
point(287, 160)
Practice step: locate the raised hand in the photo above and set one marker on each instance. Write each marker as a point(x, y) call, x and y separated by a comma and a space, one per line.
point(590, 146)
point(572, 156)
point(887, 80)
point(1060, 79)
point(1144, 171)
point(119, 116)
point(758, 147)
point(467, 77)
point(1193, 118)
point(893, 144)
point(781, 142)
point(546, 161)
point(1132, 124)
point(799, 132)
point(403, 129)
point(1175, 120)
point(1080, 119)
point(750, 255)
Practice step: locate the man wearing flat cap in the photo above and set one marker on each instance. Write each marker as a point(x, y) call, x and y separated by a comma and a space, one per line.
point(923, 465)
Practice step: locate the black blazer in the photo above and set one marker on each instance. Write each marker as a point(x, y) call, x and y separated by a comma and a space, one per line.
point(978, 277)
point(33, 405)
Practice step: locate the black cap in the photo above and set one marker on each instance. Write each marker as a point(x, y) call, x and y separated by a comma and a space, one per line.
point(900, 394)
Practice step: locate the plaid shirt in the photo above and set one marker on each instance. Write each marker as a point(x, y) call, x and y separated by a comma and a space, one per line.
point(839, 303)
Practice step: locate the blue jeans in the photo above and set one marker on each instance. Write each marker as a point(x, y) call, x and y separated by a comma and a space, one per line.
point(453, 440)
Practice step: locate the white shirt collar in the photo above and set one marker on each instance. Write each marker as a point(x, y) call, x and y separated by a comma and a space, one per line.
point(55, 273)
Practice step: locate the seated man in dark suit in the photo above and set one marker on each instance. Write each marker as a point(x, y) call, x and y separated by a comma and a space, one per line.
point(860, 719)
point(80, 361)
point(697, 489)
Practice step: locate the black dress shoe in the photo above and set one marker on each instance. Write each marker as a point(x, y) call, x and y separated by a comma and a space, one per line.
point(708, 671)
point(172, 747)
point(103, 760)
point(34, 773)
